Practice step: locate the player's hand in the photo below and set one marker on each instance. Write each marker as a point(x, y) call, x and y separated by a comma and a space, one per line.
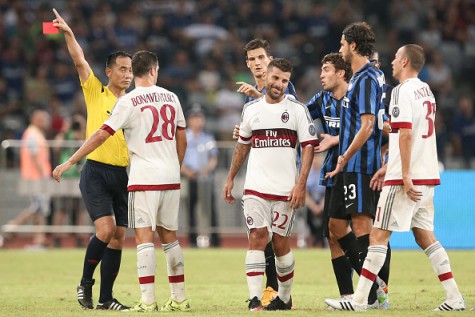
point(377, 180)
point(60, 23)
point(248, 90)
point(227, 192)
point(339, 166)
point(410, 190)
point(236, 132)
point(297, 196)
point(327, 142)
point(60, 169)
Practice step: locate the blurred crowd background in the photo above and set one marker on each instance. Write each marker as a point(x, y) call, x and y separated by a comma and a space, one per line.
point(200, 49)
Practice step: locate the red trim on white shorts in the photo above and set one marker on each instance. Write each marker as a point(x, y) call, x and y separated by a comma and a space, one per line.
point(265, 196)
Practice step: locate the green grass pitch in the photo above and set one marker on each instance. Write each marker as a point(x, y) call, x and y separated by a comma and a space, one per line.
point(44, 283)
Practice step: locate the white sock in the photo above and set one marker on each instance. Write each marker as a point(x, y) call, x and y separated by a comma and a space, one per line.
point(285, 275)
point(255, 268)
point(146, 265)
point(372, 265)
point(176, 270)
point(441, 265)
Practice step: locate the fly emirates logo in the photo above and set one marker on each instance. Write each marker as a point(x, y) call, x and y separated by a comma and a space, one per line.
point(274, 138)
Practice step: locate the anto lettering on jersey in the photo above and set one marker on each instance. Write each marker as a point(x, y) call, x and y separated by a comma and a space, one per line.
point(274, 138)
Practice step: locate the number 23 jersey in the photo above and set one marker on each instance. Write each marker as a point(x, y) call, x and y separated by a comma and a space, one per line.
point(413, 107)
point(149, 117)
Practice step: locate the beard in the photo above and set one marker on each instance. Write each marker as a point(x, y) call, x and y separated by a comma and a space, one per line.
point(348, 57)
point(272, 94)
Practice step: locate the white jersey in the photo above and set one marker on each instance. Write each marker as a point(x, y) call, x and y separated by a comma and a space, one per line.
point(413, 106)
point(274, 130)
point(149, 117)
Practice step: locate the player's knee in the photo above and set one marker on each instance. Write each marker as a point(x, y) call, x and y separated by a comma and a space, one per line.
point(258, 239)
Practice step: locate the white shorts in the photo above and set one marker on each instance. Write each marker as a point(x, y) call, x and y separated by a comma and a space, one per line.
point(396, 212)
point(276, 216)
point(154, 208)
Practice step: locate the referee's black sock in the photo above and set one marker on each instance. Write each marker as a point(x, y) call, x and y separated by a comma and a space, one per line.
point(94, 253)
point(109, 270)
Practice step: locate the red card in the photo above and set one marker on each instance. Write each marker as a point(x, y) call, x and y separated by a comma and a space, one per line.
point(48, 28)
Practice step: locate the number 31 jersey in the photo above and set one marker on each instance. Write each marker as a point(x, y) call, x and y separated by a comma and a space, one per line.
point(413, 107)
point(149, 117)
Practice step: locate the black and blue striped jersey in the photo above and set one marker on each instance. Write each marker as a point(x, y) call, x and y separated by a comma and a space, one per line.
point(289, 91)
point(325, 107)
point(364, 96)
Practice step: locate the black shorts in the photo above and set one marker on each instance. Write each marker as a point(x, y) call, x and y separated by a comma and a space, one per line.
point(326, 212)
point(351, 194)
point(104, 190)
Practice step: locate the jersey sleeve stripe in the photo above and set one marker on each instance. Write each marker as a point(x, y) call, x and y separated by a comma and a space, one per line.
point(105, 127)
point(313, 143)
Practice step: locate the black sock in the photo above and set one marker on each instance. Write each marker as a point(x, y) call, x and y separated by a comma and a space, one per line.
point(109, 269)
point(363, 243)
point(94, 253)
point(384, 273)
point(271, 271)
point(350, 246)
point(342, 270)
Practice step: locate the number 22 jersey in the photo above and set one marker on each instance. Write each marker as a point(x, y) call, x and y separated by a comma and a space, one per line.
point(413, 107)
point(149, 117)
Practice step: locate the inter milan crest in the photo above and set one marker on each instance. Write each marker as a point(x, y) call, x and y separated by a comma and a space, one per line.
point(395, 112)
point(285, 117)
point(249, 220)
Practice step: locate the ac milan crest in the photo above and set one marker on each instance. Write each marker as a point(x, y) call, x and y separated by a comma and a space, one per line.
point(395, 112)
point(285, 117)
point(249, 220)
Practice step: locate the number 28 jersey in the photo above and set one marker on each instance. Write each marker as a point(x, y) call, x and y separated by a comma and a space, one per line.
point(149, 117)
point(413, 107)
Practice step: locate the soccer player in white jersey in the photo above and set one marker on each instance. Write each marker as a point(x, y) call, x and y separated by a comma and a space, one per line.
point(271, 129)
point(154, 127)
point(406, 201)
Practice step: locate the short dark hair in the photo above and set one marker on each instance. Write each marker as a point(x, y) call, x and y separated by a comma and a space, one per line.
point(415, 55)
point(282, 64)
point(142, 62)
point(112, 58)
point(337, 60)
point(255, 44)
point(362, 35)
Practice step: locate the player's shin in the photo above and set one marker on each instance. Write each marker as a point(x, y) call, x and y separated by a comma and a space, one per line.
point(372, 265)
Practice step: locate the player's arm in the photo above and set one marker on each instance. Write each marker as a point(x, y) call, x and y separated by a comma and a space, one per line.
point(377, 180)
point(92, 143)
point(181, 144)
point(298, 193)
point(327, 142)
point(75, 50)
point(367, 124)
point(405, 148)
point(248, 90)
point(239, 156)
